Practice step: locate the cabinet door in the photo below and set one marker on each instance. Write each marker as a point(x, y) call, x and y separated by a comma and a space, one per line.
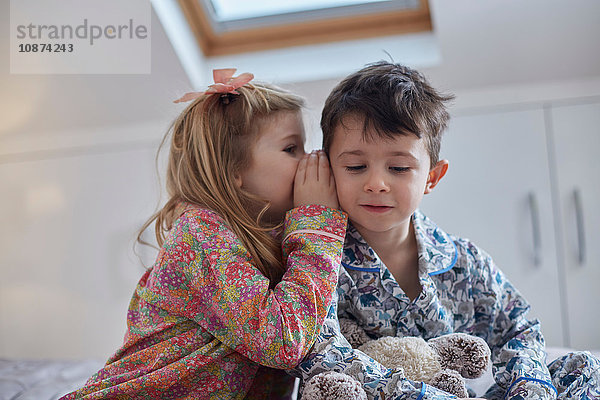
point(497, 193)
point(576, 132)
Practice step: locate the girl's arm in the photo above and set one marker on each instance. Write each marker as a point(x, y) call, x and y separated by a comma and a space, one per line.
point(230, 299)
point(205, 274)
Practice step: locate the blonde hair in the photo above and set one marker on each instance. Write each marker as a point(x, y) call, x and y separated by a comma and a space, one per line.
point(211, 144)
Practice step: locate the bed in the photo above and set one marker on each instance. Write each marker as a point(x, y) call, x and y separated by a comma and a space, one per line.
point(50, 379)
point(43, 379)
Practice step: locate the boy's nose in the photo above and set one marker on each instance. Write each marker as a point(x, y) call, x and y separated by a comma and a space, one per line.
point(376, 184)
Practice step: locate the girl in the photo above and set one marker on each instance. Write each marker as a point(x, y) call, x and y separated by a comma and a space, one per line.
point(227, 306)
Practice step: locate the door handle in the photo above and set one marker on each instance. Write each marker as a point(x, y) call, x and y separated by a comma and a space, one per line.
point(535, 225)
point(581, 245)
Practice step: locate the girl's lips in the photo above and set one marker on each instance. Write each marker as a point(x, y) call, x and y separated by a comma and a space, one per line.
point(376, 209)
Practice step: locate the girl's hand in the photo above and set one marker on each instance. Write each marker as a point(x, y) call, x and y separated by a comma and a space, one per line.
point(314, 182)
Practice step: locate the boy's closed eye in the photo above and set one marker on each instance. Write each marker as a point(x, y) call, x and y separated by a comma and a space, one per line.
point(355, 168)
point(358, 168)
point(399, 169)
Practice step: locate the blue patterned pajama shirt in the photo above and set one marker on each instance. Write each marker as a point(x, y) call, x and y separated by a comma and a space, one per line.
point(463, 291)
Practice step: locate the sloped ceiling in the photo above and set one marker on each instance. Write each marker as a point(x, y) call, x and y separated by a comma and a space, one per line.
point(37, 104)
point(508, 42)
point(482, 43)
point(478, 44)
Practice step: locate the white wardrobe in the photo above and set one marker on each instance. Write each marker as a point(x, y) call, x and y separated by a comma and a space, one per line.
point(524, 185)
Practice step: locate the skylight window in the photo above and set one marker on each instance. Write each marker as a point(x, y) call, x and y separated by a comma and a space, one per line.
point(228, 10)
point(238, 26)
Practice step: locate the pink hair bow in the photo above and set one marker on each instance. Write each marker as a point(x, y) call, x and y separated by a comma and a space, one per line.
point(225, 83)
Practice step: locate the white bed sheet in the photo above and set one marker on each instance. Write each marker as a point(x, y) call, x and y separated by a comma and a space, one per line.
point(43, 379)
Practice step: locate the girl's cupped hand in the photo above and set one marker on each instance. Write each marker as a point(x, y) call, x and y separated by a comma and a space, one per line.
point(314, 182)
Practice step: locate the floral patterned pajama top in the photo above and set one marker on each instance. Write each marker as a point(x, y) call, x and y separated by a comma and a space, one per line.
point(463, 291)
point(203, 323)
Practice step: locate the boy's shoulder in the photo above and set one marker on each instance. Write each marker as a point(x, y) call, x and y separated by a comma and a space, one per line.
point(430, 235)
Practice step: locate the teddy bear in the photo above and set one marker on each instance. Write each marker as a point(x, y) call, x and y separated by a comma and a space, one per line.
point(443, 362)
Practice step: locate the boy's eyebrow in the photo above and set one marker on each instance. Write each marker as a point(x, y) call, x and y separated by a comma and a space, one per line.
point(401, 153)
point(389, 154)
point(350, 153)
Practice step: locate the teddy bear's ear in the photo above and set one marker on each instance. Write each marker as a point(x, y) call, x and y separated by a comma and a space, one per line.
point(450, 381)
point(333, 386)
point(467, 354)
point(354, 334)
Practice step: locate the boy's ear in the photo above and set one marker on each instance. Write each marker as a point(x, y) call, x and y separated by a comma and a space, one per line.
point(436, 174)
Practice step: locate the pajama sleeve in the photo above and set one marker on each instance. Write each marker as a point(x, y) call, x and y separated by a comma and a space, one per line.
point(210, 278)
point(332, 352)
point(517, 344)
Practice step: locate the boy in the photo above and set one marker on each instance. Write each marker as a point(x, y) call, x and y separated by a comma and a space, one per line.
point(401, 275)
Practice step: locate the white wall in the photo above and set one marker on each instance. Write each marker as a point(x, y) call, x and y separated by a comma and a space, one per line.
point(77, 179)
point(69, 219)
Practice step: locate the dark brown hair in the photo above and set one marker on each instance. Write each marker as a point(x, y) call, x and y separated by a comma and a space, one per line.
point(391, 99)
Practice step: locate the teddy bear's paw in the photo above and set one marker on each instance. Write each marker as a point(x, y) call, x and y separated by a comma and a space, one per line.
point(354, 334)
point(467, 354)
point(450, 381)
point(333, 386)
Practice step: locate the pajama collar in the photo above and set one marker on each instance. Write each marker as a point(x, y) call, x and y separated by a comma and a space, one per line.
point(437, 251)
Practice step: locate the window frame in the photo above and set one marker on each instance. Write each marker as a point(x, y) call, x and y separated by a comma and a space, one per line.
point(322, 30)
